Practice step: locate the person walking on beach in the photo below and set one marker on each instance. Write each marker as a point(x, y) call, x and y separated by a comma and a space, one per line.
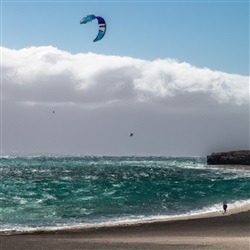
point(224, 208)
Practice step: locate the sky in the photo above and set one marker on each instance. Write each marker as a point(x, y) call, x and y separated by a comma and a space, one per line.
point(174, 73)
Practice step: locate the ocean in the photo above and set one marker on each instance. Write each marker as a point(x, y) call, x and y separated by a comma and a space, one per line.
point(63, 192)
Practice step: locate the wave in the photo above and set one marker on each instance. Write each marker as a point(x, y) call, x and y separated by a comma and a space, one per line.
point(60, 192)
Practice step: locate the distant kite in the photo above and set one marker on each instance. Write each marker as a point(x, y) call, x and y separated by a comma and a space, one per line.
point(131, 135)
point(101, 23)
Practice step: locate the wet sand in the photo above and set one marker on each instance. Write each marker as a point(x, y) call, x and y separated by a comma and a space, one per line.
point(209, 231)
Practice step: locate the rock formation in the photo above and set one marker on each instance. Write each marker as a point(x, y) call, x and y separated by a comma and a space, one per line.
point(232, 157)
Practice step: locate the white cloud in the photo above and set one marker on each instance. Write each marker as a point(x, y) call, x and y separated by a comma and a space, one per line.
point(45, 75)
point(173, 108)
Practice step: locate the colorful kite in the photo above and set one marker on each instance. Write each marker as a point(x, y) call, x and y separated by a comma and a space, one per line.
point(101, 23)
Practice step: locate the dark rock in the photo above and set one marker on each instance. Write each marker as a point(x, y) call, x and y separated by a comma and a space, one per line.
point(232, 157)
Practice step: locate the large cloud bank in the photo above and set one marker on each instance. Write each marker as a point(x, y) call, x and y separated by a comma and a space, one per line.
point(47, 75)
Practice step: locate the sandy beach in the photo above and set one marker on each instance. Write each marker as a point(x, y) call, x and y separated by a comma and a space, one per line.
point(208, 231)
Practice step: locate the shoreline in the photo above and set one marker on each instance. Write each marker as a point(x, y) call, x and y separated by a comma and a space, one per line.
point(230, 167)
point(92, 227)
point(207, 231)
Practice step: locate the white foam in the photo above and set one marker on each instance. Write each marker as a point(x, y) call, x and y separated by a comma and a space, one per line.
point(130, 220)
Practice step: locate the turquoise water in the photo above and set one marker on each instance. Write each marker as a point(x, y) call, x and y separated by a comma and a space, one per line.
point(42, 192)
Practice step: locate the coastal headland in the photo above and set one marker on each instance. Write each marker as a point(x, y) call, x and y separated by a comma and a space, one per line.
point(240, 157)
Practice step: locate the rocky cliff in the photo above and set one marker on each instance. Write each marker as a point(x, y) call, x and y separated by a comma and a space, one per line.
point(232, 157)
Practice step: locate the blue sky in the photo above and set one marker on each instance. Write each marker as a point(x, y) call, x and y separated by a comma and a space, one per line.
point(213, 34)
point(175, 73)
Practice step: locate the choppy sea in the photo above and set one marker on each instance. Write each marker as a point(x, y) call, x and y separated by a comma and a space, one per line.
point(57, 192)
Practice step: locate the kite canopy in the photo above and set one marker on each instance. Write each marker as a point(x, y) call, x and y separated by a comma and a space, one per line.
point(87, 19)
point(101, 23)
